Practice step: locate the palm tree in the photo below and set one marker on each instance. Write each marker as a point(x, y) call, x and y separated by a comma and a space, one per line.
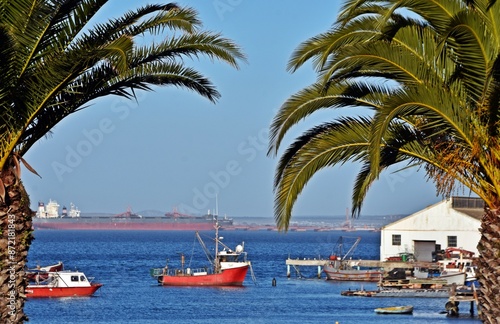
point(427, 73)
point(53, 62)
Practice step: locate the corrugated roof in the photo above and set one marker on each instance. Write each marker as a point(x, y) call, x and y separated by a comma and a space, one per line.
point(470, 206)
point(466, 202)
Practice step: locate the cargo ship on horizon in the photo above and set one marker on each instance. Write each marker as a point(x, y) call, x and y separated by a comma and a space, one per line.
point(47, 217)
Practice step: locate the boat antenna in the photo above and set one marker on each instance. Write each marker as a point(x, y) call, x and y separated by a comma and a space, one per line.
point(216, 205)
point(216, 256)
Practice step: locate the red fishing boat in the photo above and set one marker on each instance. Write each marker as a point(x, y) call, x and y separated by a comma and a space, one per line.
point(227, 268)
point(64, 283)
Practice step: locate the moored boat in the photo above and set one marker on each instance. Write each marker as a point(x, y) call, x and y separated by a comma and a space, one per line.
point(394, 310)
point(459, 261)
point(338, 267)
point(457, 278)
point(227, 268)
point(361, 293)
point(64, 283)
point(334, 271)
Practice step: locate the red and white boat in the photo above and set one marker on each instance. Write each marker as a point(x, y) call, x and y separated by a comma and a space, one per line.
point(64, 283)
point(228, 268)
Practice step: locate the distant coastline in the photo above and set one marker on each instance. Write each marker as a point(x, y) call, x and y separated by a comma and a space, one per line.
point(334, 222)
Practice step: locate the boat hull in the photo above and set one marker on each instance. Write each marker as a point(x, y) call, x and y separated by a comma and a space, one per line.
point(41, 291)
point(228, 277)
point(451, 278)
point(141, 225)
point(333, 273)
point(395, 310)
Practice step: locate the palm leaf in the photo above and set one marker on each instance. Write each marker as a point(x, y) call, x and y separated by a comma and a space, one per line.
point(323, 146)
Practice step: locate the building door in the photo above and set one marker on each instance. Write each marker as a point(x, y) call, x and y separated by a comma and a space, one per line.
point(423, 250)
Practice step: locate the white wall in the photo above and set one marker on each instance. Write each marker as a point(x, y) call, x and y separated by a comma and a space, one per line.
point(434, 223)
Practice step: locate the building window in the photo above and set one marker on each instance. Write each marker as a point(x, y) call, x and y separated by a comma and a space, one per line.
point(396, 239)
point(452, 241)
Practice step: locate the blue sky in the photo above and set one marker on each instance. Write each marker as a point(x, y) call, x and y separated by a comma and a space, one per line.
point(175, 149)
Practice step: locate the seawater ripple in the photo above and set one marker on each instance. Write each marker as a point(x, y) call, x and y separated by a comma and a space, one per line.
point(122, 260)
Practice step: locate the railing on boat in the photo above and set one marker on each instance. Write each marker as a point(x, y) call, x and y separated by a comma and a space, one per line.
point(156, 272)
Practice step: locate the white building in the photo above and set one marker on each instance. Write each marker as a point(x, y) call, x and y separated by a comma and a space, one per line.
point(454, 222)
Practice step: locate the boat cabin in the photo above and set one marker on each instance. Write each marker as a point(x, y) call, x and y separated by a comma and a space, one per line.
point(65, 278)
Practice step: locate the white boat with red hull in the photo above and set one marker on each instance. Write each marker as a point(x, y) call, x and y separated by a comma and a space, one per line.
point(64, 283)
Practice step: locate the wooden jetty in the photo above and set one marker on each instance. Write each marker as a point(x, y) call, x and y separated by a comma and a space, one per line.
point(297, 263)
point(384, 265)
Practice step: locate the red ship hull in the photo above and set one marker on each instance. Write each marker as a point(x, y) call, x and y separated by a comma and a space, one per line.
point(125, 226)
point(228, 277)
point(45, 291)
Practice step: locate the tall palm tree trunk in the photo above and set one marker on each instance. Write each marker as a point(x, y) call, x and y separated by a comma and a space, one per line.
point(489, 267)
point(15, 239)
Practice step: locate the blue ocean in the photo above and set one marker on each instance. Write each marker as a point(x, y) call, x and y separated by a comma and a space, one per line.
point(122, 260)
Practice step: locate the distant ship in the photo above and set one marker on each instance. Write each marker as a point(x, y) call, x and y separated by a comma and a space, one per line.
point(47, 217)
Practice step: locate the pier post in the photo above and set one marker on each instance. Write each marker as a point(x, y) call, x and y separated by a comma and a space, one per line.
point(319, 272)
point(452, 304)
point(288, 271)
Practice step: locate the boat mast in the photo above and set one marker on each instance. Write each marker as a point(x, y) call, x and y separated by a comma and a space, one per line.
point(216, 259)
point(216, 205)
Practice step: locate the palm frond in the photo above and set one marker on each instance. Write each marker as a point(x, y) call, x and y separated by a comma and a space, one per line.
point(313, 98)
point(323, 146)
point(57, 63)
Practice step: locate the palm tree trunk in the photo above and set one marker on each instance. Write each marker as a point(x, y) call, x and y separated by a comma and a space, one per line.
point(15, 239)
point(489, 267)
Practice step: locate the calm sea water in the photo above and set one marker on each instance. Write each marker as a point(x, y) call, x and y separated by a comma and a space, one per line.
point(121, 260)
